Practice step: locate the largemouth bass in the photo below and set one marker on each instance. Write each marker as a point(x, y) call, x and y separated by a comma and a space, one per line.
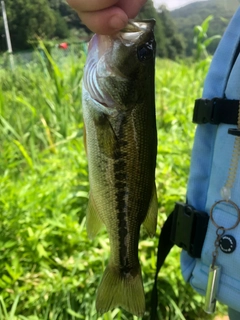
point(121, 145)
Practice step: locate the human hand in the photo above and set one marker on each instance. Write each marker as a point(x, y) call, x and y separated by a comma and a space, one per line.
point(106, 16)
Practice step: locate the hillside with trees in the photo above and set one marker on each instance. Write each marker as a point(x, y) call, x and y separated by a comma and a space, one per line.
point(30, 19)
point(195, 13)
point(54, 20)
point(169, 43)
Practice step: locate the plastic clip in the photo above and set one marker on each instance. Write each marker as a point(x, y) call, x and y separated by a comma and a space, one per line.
point(189, 228)
point(234, 132)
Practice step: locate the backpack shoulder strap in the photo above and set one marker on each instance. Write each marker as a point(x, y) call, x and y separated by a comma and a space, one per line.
point(214, 86)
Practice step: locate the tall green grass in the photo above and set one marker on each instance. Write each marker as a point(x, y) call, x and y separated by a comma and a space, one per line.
point(49, 269)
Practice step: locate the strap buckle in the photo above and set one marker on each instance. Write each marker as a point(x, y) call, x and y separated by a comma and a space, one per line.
point(205, 111)
point(216, 111)
point(189, 228)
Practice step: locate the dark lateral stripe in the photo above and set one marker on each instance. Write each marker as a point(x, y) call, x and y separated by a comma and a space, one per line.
point(121, 208)
point(120, 177)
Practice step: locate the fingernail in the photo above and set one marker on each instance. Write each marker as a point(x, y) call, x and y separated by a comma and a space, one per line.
point(117, 23)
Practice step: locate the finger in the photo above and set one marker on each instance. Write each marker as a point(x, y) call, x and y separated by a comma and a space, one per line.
point(107, 21)
point(132, 7)
point(91, 5)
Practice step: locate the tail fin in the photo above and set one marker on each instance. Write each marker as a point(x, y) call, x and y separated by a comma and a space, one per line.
point(116, 290)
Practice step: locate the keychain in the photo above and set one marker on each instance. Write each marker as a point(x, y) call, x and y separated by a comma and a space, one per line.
point(215, 270)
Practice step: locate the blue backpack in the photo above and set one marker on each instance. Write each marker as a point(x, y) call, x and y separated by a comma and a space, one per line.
point(207, 226)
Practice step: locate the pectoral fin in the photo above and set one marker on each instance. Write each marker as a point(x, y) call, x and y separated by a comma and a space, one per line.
point(150, 221)
point(93, 221)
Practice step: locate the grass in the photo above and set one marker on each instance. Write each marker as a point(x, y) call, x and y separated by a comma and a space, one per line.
point(49, 269)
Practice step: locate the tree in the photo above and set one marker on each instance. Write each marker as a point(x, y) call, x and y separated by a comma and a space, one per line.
point(69, 15)
point(28, 19)
point(147, 12)
point(175, 44)
point(61, 27)
point(188, 17)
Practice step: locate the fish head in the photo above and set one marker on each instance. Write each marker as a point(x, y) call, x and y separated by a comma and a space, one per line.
point(120, 68)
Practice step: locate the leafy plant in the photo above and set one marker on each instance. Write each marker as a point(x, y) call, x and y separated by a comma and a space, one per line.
point(49, 269)
point(201, 39)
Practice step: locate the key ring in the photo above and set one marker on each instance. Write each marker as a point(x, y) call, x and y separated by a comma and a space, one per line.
point(235, 207)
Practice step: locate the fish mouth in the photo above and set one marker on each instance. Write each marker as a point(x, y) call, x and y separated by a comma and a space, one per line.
point(139, 25)
point(100, 44)
point(135, 29)
point(135, 34)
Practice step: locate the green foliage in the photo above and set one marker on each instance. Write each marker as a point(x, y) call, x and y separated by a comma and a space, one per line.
point(189, 16)
point(170, 44)
point(61, 28)
point(49, 269)
point(28, 19)
point(174, 42)
point(55, 19)
point(68, 15)
point(174, 31)
point(201, 39)
point(149, 12)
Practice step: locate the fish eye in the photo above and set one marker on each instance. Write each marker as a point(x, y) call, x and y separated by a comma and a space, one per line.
point(146, 51)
